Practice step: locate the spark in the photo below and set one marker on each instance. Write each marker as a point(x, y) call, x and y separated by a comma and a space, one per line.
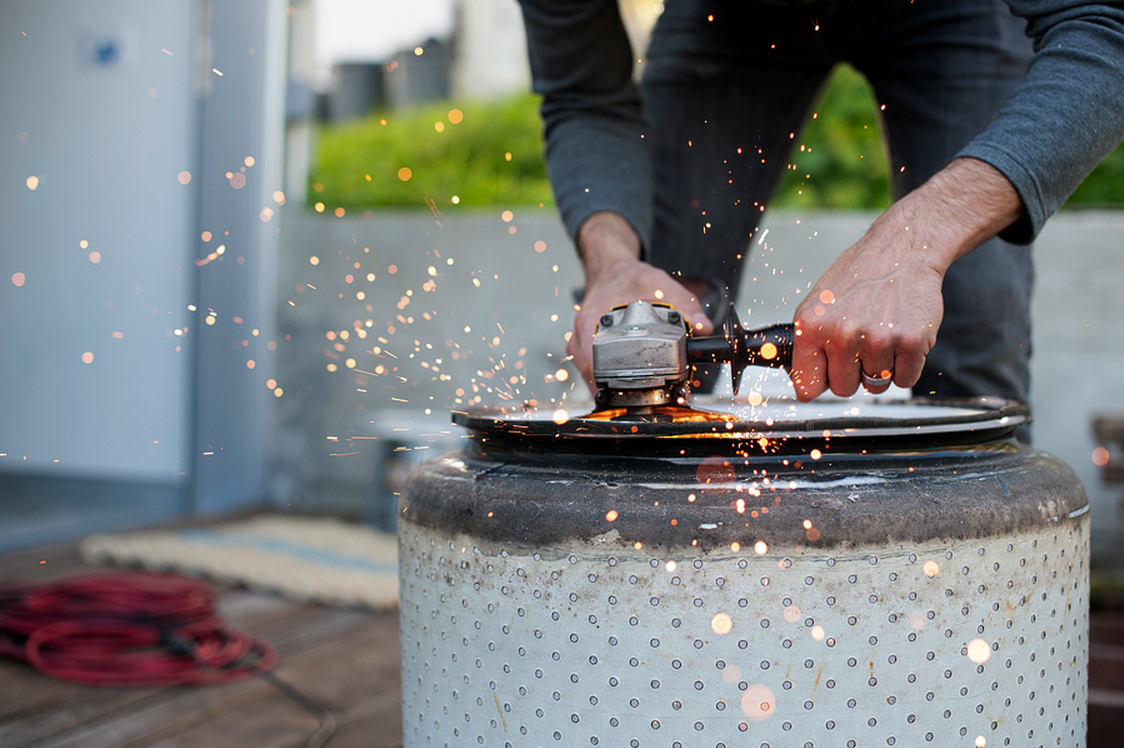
point(721, 624)
point(758, 702)
point(978, 651)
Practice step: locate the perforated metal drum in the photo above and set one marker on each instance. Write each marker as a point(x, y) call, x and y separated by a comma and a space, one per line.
point(780, 576)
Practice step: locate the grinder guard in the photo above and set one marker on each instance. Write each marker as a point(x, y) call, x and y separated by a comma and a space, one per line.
point(643, 354)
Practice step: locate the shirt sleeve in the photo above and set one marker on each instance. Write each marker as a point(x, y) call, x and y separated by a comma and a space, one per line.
point(1067, 115)
point(593, 118)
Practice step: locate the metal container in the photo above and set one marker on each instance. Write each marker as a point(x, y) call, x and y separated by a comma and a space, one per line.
point(811, 576)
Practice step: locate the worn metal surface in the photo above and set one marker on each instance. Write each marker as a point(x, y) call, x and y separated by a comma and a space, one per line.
point(894, 597)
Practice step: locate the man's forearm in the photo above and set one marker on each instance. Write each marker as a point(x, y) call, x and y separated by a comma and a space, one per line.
point(604, 240)
point(959, 208)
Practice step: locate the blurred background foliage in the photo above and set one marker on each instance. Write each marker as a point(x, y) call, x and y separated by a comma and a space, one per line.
point(487, 154)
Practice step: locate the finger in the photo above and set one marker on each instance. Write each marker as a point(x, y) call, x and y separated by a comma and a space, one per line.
point(879, 381)
point(907, 369)
point(843, 370)
point(809, 366)
point(876, 365)
point(580, 350)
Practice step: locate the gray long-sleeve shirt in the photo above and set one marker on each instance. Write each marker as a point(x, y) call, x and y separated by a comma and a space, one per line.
point(1067, 115)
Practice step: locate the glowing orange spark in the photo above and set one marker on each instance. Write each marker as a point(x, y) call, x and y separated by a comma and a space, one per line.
point(721, 623)
point(758, 702)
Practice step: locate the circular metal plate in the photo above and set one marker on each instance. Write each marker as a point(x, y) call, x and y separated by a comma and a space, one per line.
point(779, 424)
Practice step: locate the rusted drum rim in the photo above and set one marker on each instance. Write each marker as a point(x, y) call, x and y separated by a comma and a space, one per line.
point(860, 481)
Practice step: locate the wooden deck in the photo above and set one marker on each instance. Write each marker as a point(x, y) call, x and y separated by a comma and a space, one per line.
point(346, 661)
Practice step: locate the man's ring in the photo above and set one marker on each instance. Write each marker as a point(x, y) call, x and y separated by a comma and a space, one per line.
point(884, 378)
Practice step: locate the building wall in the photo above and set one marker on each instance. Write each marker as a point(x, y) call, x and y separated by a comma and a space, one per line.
point(98, 118)
point(141, 158)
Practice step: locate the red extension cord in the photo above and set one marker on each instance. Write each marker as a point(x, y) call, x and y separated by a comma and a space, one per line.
point(135, 628)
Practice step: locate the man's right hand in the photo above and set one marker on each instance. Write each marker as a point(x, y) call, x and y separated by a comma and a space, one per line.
point(615, 275)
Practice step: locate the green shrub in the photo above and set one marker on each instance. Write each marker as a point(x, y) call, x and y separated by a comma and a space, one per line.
point(838, 160)
point(493, 156)
point(490, 155)
point(1104, 188)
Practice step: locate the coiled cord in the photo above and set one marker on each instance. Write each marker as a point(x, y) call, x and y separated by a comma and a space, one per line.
point(136, 628)
point(127, 629)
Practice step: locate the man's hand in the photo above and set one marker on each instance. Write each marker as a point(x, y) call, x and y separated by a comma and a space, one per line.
point(877, 309)
point(615, 275)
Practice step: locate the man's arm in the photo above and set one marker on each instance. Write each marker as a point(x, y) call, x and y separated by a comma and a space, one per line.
point(599, 164)
point(615, 275)
point(1067, 115)
point(878, 307)
point(593, 119)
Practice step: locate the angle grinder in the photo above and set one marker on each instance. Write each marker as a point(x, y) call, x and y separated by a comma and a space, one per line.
point(644, 354)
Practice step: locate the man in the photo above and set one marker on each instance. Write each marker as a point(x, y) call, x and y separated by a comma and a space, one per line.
point(993, 114)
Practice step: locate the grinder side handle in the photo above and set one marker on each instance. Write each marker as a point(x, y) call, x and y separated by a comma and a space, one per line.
point(766, 346)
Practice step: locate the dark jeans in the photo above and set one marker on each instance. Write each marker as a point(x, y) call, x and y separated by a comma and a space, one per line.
point(725, 95)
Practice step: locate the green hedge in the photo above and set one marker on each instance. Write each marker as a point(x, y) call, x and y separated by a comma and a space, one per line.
point(489, 155)
point(492, 155)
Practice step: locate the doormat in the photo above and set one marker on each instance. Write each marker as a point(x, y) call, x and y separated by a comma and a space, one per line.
point(309, 559)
